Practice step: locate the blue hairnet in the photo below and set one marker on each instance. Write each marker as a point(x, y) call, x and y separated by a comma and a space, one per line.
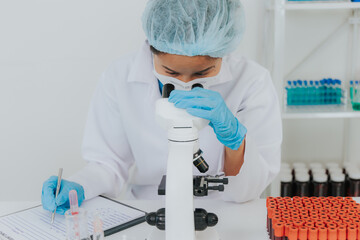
point(194, 27)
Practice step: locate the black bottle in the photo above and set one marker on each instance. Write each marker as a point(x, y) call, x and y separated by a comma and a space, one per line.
point(337, 185)
point(320, 185)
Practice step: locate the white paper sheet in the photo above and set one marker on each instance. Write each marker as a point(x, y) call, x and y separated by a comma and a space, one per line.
point(34, 223)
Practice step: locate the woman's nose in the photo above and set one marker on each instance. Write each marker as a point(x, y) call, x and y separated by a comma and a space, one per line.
point(186, 78)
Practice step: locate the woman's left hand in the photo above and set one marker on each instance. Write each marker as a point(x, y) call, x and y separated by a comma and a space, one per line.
point(210, 105)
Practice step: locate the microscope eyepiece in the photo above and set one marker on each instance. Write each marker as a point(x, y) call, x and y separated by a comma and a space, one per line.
point(167, 89)
point(197, 85)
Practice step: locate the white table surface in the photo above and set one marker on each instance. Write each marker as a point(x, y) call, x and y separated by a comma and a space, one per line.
point(236, 221)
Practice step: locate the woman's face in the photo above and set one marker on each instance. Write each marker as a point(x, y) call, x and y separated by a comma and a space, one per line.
point(186, 68)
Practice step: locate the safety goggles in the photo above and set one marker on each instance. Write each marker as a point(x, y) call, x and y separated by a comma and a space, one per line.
point(186, 86)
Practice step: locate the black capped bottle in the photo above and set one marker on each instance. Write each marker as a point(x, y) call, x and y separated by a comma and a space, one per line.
point(320, 185)
point(286, 188)
point(354, 183)
point(337, 184)
point(302, 184)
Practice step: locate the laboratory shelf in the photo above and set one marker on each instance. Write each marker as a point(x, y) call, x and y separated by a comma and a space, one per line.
point(276, 20)
point(321, 5)
point(311, 112)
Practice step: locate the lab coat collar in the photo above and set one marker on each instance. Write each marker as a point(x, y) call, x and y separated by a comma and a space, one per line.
point(143, 67)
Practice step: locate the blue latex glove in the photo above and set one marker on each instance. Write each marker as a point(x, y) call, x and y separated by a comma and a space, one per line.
point(210, 105)
point(62, 201)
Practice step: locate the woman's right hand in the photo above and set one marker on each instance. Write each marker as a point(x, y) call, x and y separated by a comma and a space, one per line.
point(62, 201)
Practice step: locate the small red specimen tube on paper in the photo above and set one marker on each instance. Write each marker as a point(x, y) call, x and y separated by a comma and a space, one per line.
point(74, 204)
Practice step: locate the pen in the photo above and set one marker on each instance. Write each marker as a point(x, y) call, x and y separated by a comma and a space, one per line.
point(57, 192)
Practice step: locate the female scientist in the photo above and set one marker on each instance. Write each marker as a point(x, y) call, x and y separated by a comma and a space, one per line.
point(187, 40)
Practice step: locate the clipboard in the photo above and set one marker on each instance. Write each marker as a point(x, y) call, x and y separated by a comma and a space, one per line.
point(34, 223)
point(126, 225)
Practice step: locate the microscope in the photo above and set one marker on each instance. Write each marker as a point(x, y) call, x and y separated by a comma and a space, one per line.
point(179, 185)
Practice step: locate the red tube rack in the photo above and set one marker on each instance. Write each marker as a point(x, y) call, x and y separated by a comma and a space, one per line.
point(313, 218)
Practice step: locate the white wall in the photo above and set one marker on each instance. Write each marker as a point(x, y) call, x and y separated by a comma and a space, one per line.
point(51, 56)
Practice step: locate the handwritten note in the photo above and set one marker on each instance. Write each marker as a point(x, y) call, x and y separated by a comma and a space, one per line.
point(34, 223)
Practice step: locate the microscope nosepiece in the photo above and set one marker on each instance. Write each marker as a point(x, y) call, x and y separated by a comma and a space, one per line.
point(199, 162)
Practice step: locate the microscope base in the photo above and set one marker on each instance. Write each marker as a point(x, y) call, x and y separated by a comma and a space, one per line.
point(208, 234)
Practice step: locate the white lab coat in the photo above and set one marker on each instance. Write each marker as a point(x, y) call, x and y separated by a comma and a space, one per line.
point(121, 130)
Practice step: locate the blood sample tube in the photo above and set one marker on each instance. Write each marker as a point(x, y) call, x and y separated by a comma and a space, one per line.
point(287, 229)
point(351, 233)
point(270, 214)
point(302, 184)
point(74, 204)
point(98, 228)
point(286, 185)
point(293, 233)
point(309, 225)
point(313, 233)
point(354, 184)
point(275, 220)
point(270, 200)
point(341, 232)
point(323, 233)
point(332, 233)
point(320, 185)
point(279, 231)
point(303, 233)
point(319, 223)
point(337, 183)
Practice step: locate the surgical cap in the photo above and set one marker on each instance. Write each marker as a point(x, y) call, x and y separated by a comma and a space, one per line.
point(194, 27)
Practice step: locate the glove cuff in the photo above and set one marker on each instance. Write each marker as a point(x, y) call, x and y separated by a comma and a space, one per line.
point(81, 194)
point(235, 140)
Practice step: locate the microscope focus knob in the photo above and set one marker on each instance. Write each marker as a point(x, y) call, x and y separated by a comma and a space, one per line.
point(212, 219)
point(202, 219)
point(157, 219)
